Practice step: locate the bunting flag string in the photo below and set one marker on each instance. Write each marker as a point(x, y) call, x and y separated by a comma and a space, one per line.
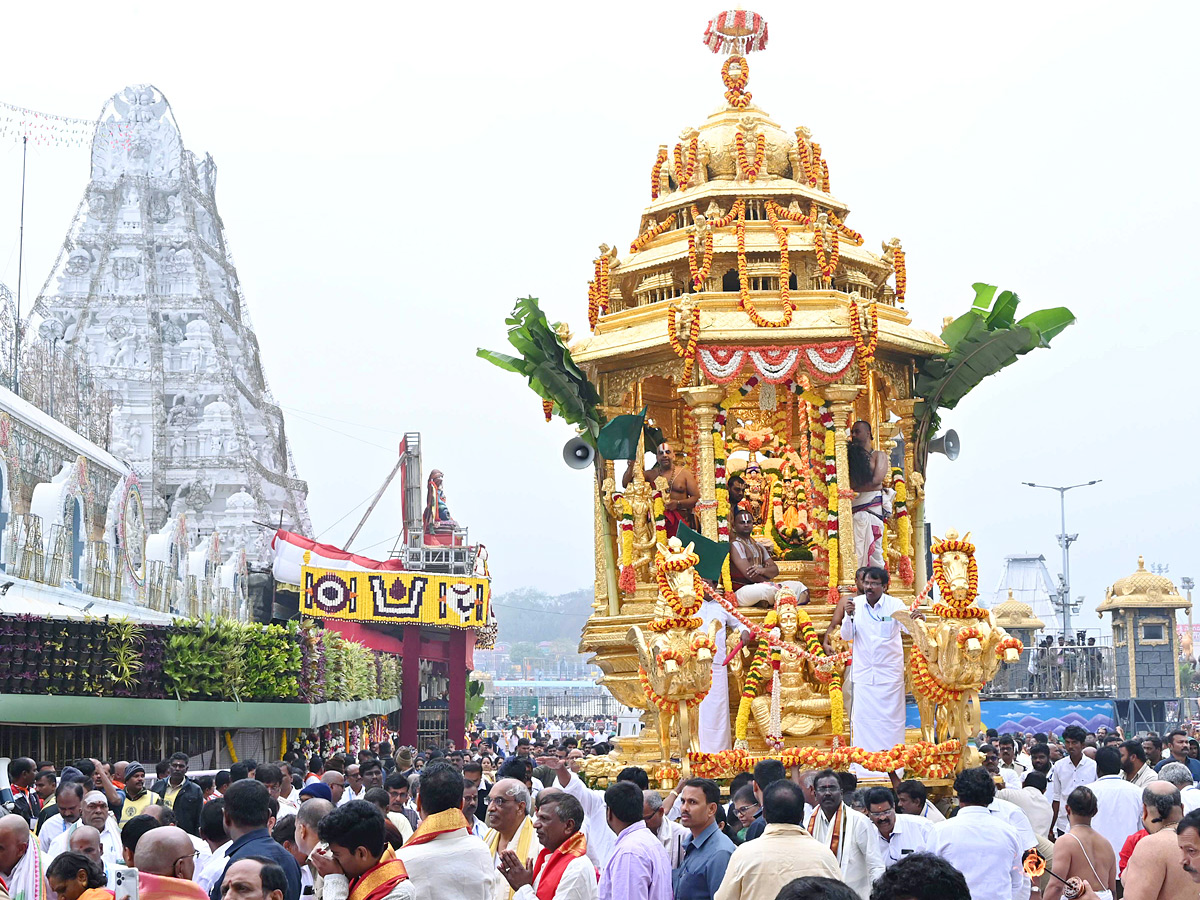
point(44, 129)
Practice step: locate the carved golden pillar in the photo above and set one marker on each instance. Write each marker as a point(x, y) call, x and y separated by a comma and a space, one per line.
point(904, 409)
point(704, 401)
point(841, 399)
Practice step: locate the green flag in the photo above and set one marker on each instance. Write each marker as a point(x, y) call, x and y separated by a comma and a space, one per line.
point(619, 438)
point(712, 553)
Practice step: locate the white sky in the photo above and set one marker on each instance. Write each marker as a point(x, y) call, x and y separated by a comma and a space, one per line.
point(392, 177)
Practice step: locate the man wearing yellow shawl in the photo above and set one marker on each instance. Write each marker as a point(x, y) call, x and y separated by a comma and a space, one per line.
point(444, 859)
point(354, 867)
point(509, 825)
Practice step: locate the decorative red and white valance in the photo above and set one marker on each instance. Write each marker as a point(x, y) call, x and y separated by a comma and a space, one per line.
point(775, 365)
point(737, 30)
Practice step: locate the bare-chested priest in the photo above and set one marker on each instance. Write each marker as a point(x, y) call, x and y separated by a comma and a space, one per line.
point(684, 494)
point(869, 469)
point(751, 568)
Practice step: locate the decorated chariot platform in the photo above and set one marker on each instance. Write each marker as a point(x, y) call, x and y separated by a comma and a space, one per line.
point(745, 330)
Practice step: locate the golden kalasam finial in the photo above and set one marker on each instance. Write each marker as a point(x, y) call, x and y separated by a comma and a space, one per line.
point(736, 32)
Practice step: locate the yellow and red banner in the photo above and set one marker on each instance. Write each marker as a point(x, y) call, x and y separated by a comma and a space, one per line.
point(398, 598)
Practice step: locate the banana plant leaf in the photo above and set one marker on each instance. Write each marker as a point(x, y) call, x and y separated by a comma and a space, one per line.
point(546, 364)
point(982, 341)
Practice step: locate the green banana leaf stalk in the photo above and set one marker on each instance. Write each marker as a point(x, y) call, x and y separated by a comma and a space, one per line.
point(982, 341)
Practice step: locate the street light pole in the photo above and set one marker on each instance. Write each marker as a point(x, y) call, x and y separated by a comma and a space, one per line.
point(1065, 541)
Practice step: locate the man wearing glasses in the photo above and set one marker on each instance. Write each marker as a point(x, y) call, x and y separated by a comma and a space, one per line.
point(166, 861)
point(899, 833)
point(509, 825)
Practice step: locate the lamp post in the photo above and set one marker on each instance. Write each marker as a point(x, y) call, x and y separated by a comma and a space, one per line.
point(1065, 541)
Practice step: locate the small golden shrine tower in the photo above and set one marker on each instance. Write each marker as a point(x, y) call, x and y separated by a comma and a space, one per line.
point(755, 325)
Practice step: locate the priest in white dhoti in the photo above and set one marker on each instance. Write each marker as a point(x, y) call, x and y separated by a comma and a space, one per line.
point(714, 726)
point(877, 672)
point(868, 469)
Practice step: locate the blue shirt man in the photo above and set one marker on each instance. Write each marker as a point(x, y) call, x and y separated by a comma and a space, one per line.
point(1178, 743)
point(706, 853)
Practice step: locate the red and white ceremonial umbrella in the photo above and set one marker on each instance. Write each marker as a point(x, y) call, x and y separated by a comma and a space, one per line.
point(737, 32)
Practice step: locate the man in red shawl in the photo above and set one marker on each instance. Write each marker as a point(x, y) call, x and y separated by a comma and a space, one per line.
point(354, 865)
point(562, 870)
point(682, 492)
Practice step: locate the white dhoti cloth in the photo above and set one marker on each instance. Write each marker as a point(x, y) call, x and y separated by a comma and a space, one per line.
point(714, 708)
point(27, 881)
point(868, 528)
point(877, 673)
point(753, 594)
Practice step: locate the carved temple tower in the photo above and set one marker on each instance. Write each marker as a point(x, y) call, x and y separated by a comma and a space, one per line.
point(145, 292)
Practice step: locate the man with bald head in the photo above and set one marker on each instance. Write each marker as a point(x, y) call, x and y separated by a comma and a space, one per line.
point(166, 861)
point(337, 784)
point(20, 860)
point(306, 838)
point(1154, 872)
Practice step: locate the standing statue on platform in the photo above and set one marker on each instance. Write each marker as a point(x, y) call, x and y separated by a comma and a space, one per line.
point(682, 494)
point(437, 513)
point(953, 659)
point(675, 660)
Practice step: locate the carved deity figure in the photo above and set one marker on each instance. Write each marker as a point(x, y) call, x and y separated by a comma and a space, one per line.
point(804, 704)
point(956, 655)
point(675, 656)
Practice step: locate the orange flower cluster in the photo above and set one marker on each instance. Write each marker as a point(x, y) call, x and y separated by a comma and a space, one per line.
point(684, 173)
point(726, 220)
point(598, 289)
point(744, 277)
point(700, 639)
point(656, 171)
point(866, 346)
point(688, 353)
point(1009, 643)
point(943, 584)
point(736, 82)
point(816, 170)
point(785, 213)
point(966, 634)
point(547, 409)
point(751, 169)
point(666, 774)
point(959, 612)
point(664, 655)
point(650, 234)
point(848, 233)
point(901, 273)
point(699, 270)
point(923, 759)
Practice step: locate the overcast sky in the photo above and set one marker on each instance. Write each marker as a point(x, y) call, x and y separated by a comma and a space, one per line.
point(390, 180)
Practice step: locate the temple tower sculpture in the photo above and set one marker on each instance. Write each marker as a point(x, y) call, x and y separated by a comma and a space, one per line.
point(1146, 646)
point(1019, 620)
point(145, 292)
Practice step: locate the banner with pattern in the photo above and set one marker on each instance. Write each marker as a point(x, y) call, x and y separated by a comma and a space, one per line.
point(397, 598)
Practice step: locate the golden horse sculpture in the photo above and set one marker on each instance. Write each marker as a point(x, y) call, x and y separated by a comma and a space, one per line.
point(954, 657)
point(675, 659)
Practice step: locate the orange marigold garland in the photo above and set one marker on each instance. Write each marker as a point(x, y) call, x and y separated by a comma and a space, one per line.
point(548, 409)
point(901, 272)
point(657, 171)
point(699, 271)
point(736, 81)
point(848, 233)
point(651, 233)
point(685, 171)
point(923, 759)
point(598, 290)
point(866, 346)
point(826, 263)
point(751, 169)
point(688, 353)
point(745, 302)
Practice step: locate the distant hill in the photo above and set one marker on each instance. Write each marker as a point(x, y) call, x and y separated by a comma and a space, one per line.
point(535, 616)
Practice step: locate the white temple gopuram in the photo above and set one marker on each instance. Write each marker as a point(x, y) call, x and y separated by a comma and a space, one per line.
point(146, 295)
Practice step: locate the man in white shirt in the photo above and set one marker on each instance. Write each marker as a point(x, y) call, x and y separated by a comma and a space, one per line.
point(1118, 803)
point(912, 799)
point(444, 860)
point(847, 833)
point(899, 833)
point(95, 815)
point(1006, 746)
point(1179, 775)
point(877, 717)
point(991, 762)
point(1072, 771)
point(985, 848)
point(1031, 800)
point(69, 800)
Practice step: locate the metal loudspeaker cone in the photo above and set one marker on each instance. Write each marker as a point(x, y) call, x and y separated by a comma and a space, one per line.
point(948, 445)
point(578, 453)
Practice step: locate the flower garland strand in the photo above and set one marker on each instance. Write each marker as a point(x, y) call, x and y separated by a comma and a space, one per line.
point(699, 270)
point(688, 353)
point(736, 95)
point(849, 233)
point(750, 169)
point(598, 290)
point(656, 172)
point(651, 233)
point(898, 266)
point(831, 496)
point(923, 759)
point(745, 303)
point(627, 582)
point(903, 525)
point(866, 346)
point(684, 172)
point(548, 409)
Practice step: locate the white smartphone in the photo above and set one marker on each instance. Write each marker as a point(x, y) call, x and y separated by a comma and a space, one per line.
point(125, 883)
